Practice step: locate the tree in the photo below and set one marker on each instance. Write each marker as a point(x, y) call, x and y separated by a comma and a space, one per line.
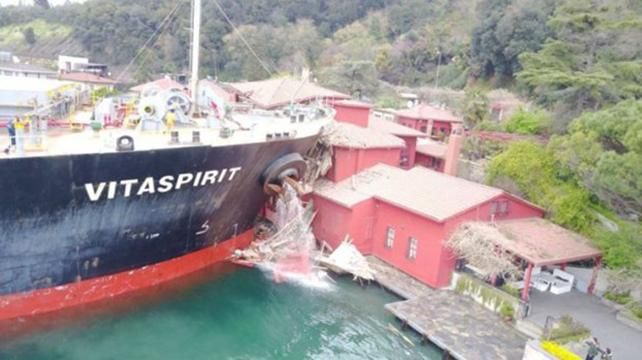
point(593, 60)
point(475, 107)
point(532, 171)
point(42, 3)
point(29, 35)
point(481, 245)
point(529, 122)
point(357, 78)
point(604, 152)
point(506, 29)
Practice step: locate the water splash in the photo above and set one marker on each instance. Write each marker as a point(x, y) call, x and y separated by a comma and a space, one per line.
point(289, 255)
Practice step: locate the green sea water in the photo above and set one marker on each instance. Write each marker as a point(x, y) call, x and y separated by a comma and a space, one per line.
point(239, 315)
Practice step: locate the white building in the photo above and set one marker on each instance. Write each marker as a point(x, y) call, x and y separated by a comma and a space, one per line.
point(26, 70)
point(21, 95)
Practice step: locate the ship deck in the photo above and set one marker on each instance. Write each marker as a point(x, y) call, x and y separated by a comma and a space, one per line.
point(244, 129)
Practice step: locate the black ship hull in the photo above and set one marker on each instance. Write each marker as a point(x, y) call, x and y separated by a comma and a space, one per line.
point(67, 219)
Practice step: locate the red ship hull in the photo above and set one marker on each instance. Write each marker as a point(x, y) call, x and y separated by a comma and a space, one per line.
point(24, 310)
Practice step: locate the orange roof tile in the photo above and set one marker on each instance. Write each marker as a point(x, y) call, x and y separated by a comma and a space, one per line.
point(353, 136)
point(433, 148)
point(394, 128)
point(353, 103)
point(419, 190)
point(541, 242)
point(273, 93)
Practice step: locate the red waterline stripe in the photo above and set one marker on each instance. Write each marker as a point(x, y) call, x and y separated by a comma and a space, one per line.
point(50, 300)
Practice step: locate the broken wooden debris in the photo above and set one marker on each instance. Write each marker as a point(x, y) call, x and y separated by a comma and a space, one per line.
point(346, 258)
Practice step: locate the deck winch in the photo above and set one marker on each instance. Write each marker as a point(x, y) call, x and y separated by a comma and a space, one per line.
point(153, 108)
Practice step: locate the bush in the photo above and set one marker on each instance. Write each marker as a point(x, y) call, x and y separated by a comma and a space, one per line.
point(511, 290)
point(558, 351)
point(475, 148)
point(529, 122)
point(507, 311)
point(636, 309)
point(568, 329)
point(623, 248)
point(489, 125)
point(533, 170)
point(618, 298)
point(391, 102)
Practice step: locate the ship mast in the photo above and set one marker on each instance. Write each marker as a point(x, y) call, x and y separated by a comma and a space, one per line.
point(196, 45)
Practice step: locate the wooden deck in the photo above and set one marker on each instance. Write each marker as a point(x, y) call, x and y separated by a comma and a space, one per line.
point(462, 328)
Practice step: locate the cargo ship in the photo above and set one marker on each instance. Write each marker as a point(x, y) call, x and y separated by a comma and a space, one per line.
point(102, 212)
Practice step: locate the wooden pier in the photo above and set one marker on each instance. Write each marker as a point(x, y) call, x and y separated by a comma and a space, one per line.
point(462, 328)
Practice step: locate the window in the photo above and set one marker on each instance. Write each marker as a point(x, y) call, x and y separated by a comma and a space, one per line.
point(412, 248)
point(503, 207)
point(499, 208)
point(404, 159)
point(390, 237)
point(493, 208)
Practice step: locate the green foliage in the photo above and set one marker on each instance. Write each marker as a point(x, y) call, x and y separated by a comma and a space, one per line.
point(475, 106)
point(534, 172)
point(604, 152)
point(488, 295)
point(568, 329)
point(636, 310)
point(402, 42)
point(489, 125)
point(591, 60)
point(569, 205)
point(511, 290)
point(291, 46)
point(14, 35)
point(389, 102)
point(558, 351)
point(506, 29)
point(476, 148)
point(30, 36)
point(507, 311)
point(529, 122)
point(618, 298)
point(623, 248)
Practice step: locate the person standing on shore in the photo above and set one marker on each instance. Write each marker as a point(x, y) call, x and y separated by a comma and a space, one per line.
point(19, 133)
point(594, 349)
point(11, 129)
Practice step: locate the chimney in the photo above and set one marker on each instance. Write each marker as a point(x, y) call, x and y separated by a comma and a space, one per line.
point(454, 148)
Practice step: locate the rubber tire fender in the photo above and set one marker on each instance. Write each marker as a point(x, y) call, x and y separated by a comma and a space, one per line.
point(291, 165)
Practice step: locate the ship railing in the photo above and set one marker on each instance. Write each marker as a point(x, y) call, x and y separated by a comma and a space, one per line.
point(23, 142)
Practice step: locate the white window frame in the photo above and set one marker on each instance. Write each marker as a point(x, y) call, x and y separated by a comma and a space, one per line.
point(390, 237)
point(413, 244)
